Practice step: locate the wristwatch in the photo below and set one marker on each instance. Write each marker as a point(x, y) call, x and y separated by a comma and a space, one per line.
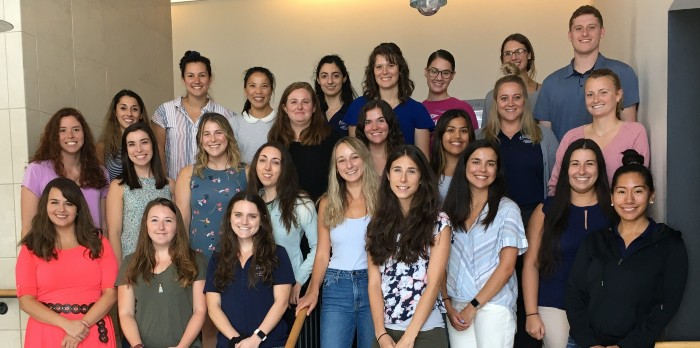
point(475, 303)
point(261, 334)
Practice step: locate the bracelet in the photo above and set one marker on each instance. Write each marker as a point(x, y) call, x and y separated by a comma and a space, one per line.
point(527, 315)
point(446, 298)
point(140, 345)
point(380, 336)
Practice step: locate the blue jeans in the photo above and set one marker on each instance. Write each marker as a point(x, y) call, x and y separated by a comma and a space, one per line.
point(345, 310)
point(572, 343)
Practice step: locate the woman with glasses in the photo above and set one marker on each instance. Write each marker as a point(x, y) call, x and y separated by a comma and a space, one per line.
point(439, 73)
point(517, 49)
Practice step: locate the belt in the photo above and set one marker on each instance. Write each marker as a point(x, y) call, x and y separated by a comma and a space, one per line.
point(80, 309)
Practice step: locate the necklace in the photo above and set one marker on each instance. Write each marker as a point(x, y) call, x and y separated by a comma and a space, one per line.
point(160, 288)
point(600, 135)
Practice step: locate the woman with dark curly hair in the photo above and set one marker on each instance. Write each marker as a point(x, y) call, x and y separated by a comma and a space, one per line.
point(387, 78)
point(65, 273)
point(66, 149)
point(379, 130)
point(249, 279)
point(408, 244)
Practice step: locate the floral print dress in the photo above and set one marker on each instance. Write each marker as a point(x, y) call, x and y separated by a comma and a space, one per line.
point(209, 197)
point(403, 284)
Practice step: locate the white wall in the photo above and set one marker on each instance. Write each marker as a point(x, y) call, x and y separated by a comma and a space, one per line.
point(290, 36)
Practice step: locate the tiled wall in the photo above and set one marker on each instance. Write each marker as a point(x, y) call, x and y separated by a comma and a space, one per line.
point(68, 53)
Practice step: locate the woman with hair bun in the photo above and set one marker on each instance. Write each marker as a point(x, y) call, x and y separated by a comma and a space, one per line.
point(627, 281)
point(439, 73)
point(334, 91)
point(175, 122)
point(517, 49)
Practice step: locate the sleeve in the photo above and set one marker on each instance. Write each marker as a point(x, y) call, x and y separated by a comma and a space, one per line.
point(353, 113)
point(550, 147)
point(512, 233)
point(201, 261)
point(283, 274)
point(160, 117)
point(442, 221)
point(488, 101)
point(641, 143)
point(104, 190)
point(630, 86)
point(108, 265)
point(472, 115)
point(542, 107)
point(576, 300)
point(25, 273)
point(32, 178)
point(122, 271)
point(421, 117)
point(671, 292)
point(211, 268)
point(565, 142)
point(308, 218)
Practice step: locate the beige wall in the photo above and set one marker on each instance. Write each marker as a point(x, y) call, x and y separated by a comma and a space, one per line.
point(290, 36)
point(637, 33)
point(68, 53)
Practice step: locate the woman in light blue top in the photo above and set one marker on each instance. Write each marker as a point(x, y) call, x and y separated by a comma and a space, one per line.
point(141, 181)
point(292, 212)
point(488, 236)
point(344, 213)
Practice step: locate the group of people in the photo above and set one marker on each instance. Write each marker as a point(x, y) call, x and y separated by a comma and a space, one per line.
point(400, 223)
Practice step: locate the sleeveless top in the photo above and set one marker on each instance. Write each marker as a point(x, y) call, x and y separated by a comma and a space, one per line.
point(135, 202)
point(348, 244)
point(209, 197)
point(113, 165)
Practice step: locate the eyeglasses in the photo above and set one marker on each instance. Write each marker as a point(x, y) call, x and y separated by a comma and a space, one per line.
point(432, 72)
point(518, 52)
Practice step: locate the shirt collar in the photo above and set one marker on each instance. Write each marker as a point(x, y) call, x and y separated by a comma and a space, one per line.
point(252, 119)
point(599, 63)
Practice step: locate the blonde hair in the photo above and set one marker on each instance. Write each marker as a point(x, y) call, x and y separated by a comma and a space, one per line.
point(529, 126)
point(233, 156)
point(336, 194)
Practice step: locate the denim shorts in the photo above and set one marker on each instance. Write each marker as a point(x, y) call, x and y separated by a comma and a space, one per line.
point(345, 310)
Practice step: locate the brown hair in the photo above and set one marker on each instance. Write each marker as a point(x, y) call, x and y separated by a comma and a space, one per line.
point(112, 133)
point(393, 54)
point(586, 10)
point(314, 134)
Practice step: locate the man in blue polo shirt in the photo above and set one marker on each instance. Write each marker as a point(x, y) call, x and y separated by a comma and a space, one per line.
point(561, 102)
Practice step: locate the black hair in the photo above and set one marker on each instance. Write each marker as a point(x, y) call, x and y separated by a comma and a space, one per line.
point(193, 57)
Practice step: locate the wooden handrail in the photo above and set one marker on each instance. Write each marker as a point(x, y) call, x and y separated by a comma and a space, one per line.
point(296, 328)
point(8, 293)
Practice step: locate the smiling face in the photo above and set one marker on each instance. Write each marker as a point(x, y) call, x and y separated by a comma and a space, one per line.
point(269, 166)
point(438, 84)
point(245, 219)
point(404, 179)
point(583, 171)
point(510, 101)
point(456, 136)
point(139, 148)
point(602, 96)
point(585, 34)
point(376, 128)
point(127, 111)
point(516, 53)
point(348, 163)
point(631, 196)
point(481, 168)
point(299, 107)
point(214, 140)
point(258, 90)
point(62, 213)
point(331, 79)
point(161, 225)
point(386, 74)
point(70, 135)
point(196, 79)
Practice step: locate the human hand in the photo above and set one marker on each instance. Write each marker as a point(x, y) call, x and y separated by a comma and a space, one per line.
point(310, 300)
point(385, 341)
point(534, 326)
point(76, 329)
point(455, 318)
point(249, 342)
point(468, 314)
point(69, 342)
point(294, 294)
point(405, 342)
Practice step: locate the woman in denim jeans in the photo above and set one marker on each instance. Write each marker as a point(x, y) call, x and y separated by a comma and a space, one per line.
point(344, 213)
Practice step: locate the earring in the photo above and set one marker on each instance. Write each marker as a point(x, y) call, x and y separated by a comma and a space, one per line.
point(612, 205)
point(651, 202)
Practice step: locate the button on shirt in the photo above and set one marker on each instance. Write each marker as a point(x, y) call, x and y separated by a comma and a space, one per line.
point(181, 132)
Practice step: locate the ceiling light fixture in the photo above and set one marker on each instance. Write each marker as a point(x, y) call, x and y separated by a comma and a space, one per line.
point(428, 7)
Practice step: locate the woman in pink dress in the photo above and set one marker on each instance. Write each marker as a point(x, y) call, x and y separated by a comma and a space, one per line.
point(65, 273)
